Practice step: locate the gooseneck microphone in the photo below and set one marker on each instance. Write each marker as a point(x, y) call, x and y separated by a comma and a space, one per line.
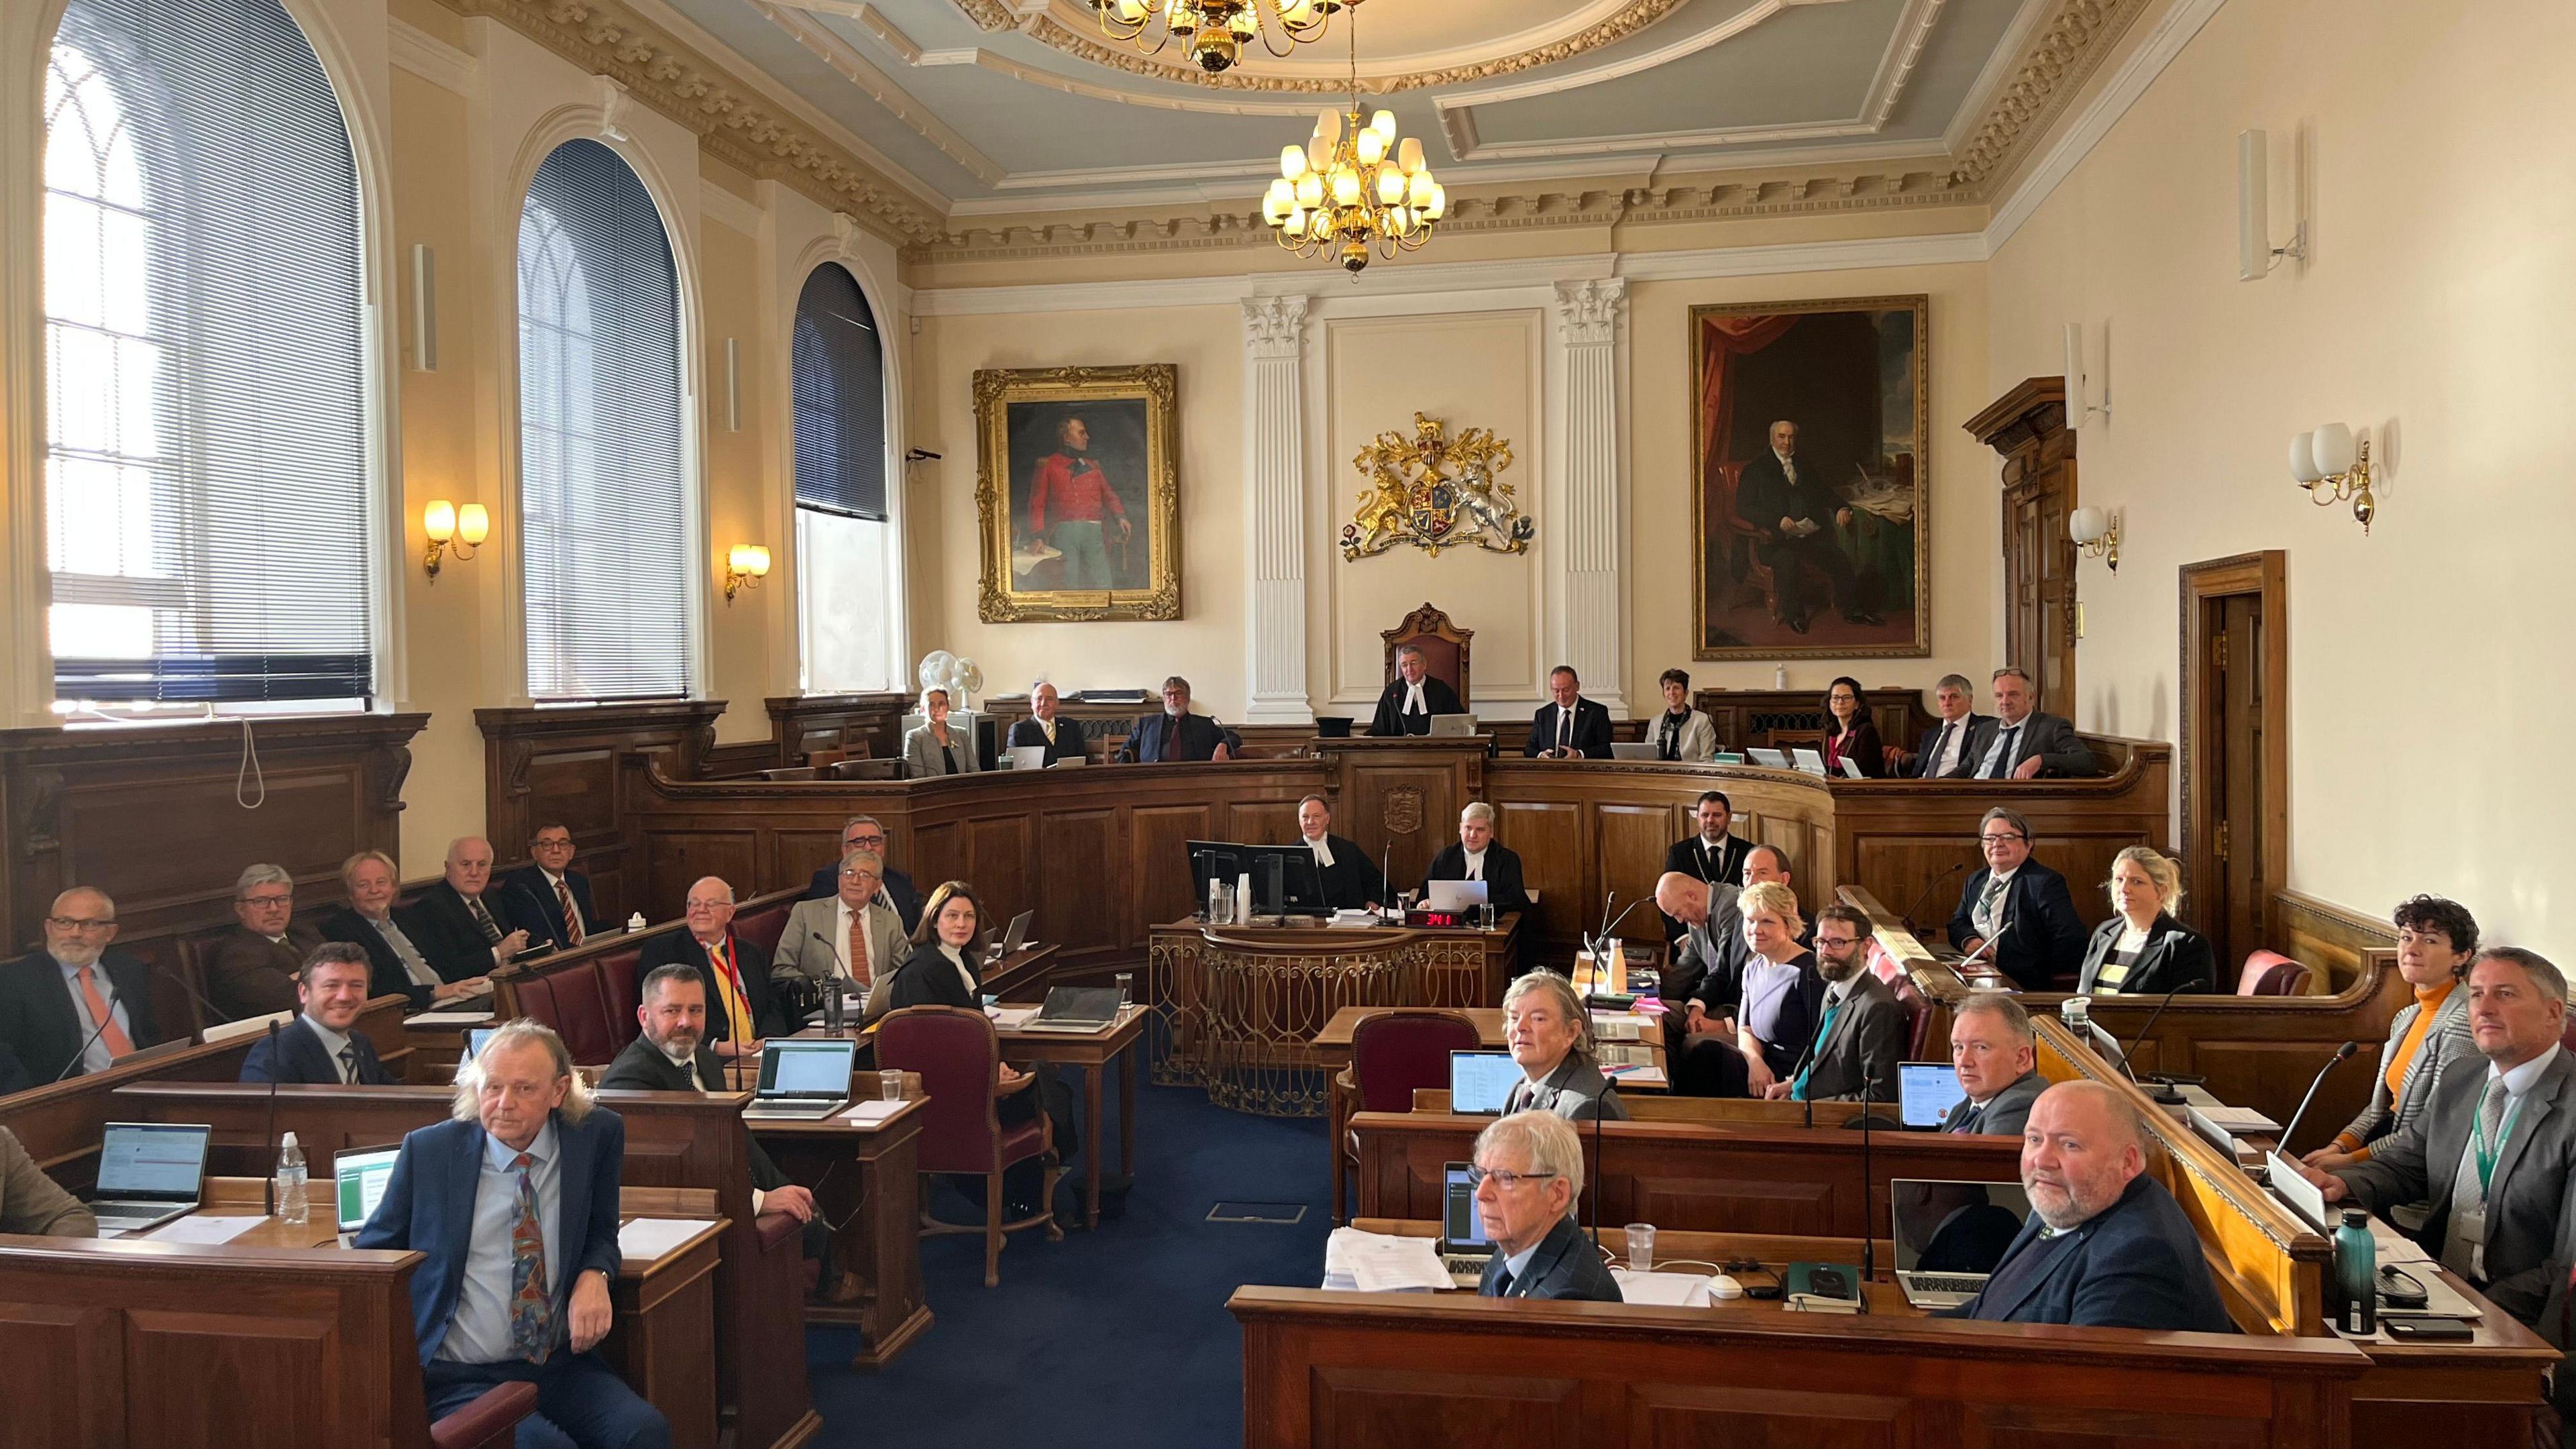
point(82, 1051)
point(1926, 895)
point(268, 1136)
point(2162, 1090)
point(214, 1012)
point(2341, 1052)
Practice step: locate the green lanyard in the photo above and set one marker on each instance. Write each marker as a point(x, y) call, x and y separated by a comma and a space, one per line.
point(2478, 1140)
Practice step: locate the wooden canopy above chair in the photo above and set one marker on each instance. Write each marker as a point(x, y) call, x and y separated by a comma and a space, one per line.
point(1444, 647)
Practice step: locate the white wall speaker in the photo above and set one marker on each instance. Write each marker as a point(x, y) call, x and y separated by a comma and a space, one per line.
point(424, 308)
point(2253, 206)
point(733, 385)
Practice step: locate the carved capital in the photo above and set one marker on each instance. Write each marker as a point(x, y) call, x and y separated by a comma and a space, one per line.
point(614, 107)
point(390, 765)
point(1274, 326)
point(1587, 313)
point(40, 825)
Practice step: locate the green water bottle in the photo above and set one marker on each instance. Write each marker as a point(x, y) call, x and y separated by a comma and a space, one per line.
point(2356, 1275)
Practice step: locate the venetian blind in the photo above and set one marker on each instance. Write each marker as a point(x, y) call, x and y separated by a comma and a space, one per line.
point(838, 378)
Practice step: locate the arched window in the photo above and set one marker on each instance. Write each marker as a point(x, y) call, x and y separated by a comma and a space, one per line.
point(837, 377)
point(206, 443)
point(604, 537)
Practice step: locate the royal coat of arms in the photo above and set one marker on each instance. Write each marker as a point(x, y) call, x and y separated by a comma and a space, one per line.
point(1429, 491)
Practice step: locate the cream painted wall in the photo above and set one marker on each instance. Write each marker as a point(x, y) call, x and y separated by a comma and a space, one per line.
point(2426, 680)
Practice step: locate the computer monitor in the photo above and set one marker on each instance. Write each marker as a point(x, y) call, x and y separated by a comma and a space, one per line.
point(1954, 1227)
point(1213, 860)
point(1925, 1093)
point(361, 1179)
point(476, 1037)
point(1299, 888)
point(1461, 1225)
point(1480, 1082)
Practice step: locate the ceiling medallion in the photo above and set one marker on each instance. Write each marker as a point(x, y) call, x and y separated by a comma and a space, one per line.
point(1342, 192)
point(1214, 32)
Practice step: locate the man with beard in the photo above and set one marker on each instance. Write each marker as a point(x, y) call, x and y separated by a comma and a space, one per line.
point(1072, 506)
point(2106, 1245)
point(1860, 1030)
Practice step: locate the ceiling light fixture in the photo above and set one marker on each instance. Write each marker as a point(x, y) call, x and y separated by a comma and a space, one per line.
point(1352, 186)
point(1214, 32)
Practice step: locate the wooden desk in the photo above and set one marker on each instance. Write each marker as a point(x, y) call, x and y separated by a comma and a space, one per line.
point(1097, 1053)
point(1770, 1250)
point(864, 1177)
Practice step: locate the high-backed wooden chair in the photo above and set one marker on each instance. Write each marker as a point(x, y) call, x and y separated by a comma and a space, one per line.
point(1444, 648)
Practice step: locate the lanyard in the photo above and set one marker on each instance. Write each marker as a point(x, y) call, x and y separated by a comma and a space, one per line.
point(2487, 1155)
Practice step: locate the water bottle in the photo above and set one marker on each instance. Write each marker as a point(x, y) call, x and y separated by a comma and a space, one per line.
point(2357, 1274)
point(292, 1205)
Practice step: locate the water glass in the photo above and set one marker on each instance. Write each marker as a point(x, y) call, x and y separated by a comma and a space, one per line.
point(890, 1086)
point(1641, 1247)
point(1126, 988)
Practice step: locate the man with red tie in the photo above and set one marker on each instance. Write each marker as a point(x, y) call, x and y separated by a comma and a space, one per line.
point(739, 1010)
point(547, 898)
point(75, 1006)
point(1070, 493)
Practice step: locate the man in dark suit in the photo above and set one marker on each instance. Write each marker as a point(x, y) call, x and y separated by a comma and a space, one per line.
point(1860, 1035)
point(1408, 702)
point(1062, 739)
point(464, 929)
point(389, 934)
point(1947, 750)
point(2117, 1251)
point(1709, 960)
point(741, 1013)
point(1176, 734)
point(1712, 855)
point(2041, 937)
point(500, 1297)
point(322, 1047)
point(253, 967)
point(862, 832)
point(547, 898)
point(1793, 514)
point(2020, 743)
point(51, 1000)
point(1570, 727)
point(1996, 1055)
point(1351, 879)
point(1477, 855)
point(1529, 1174)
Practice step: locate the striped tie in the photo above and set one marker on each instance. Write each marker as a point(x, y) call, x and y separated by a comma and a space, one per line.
point(571, 913)
point(532, 1309)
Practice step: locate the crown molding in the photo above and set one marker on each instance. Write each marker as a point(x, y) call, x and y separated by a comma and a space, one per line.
point(734, 118)
point(415, 50)
point(2173, 32)
point(846, 62)
point(2069, 48)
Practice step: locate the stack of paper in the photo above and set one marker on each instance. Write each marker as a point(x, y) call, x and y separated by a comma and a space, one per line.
point(1355, 1261)
point(872, 1111)
point(205, 1228)
point(644, 1239)
point(1012, 1017)
point(1675, 1290)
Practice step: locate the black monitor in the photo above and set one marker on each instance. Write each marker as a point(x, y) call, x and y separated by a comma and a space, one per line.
point(1213, 860)
point(1285, 880)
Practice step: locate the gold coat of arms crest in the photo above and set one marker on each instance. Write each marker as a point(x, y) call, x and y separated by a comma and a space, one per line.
point(1436, 493)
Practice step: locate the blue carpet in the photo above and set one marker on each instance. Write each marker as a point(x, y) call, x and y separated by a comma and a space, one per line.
point(1115, 1337)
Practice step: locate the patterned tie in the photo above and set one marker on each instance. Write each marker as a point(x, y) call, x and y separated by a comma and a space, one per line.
point(1824, 1029)
point(532, 1309)
point(858, 952)
point(483, 918)
point(1968, 1119)
point(348, 1065)
point(729, 986)
point(2491, 1120)
point(571, 913)
point(113, 1037)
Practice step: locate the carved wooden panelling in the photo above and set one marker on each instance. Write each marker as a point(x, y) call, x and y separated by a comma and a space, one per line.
point(1157, 872)
point(1739, 1415)
point(1076, 847)
point(1397, 1408)
point(61, 1372)
point(681, 858)
point(224, 1378)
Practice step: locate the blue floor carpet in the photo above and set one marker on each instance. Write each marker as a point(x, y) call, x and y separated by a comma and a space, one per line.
point(1115, 1337)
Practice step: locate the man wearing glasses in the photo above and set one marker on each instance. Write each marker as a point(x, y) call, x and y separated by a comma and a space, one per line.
point(895, 891)
point(2016, 914)
point(255, 965)
point(1528, 1173)
point(52, 1002)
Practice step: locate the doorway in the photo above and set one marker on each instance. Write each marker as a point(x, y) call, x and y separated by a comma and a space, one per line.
point(2027, 428)
point(2235, 747)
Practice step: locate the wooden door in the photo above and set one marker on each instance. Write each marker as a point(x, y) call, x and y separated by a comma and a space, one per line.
point(2235, 750)
point(2027, 427)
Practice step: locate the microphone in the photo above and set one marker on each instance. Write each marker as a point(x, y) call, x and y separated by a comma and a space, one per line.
point(1385, 881)
point(1868, 1207)
point(1990, 943)
point(83, 1050)
point(2341, 1052)
point(2163, 1091)
point(268, 1137)
point(1908, 917)
point(220, 1016)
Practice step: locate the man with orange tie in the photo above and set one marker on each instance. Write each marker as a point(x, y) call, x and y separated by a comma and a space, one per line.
point(739, 1012)
point(547, 898)
point(849, 943)
point(75, 1006)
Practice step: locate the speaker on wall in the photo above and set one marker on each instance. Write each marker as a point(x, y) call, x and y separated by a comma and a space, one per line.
point(424, 308)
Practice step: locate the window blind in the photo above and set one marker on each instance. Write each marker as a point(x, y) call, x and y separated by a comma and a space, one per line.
point(206, 455)
point(837, 371)
point(602, 508)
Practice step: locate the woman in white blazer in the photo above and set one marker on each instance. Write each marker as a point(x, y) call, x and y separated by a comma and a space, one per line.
point(1681, 732)
point(932, 749)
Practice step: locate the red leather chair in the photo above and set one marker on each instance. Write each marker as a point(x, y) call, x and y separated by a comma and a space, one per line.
point(489, 1422)
point(956, 1053)
point(1393, 1055)
point(2269, 973)
point(759, 930)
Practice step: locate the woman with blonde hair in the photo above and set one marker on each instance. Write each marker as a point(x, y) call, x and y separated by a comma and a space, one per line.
point(2142, 950)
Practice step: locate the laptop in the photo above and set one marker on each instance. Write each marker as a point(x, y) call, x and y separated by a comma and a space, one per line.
point(360, 1179)
point(1480, 1082)
point(803, 1081)
point(1809, 761)
point(1014, 936)
point(1444, 726)
point(1076, 1008)
point(1028, 757)
point(1625, 751)
point(1460, 896)
point(1851, 769)
point(1925, 1093)
point(1769, 759)
point(148, 1173)
point(1950, 1236)
point(1464, 1248)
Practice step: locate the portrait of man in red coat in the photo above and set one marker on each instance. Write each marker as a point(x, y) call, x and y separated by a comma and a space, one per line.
point(1075, 510)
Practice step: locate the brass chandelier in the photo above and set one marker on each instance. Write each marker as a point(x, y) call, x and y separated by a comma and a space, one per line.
point(1215, 32)
point(1342, 194)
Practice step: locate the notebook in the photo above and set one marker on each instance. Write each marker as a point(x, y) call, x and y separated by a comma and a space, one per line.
point(804, 1081)
point(1950, 1235)
point(148, 1173)
point(1480, 1081)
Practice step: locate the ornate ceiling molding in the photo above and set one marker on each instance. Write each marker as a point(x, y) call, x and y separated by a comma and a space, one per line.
point(731, 119)
point(2069, 48)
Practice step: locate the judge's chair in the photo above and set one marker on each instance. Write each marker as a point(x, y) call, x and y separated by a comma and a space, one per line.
point(1443, 644)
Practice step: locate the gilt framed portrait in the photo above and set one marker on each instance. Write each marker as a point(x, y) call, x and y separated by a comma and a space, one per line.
point(1809, 466)
point(1078, 492)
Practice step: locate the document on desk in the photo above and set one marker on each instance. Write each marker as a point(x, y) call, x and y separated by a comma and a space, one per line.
point(1671, 1290)
point(204, 1229)
point(1011, 1018)
point(650, 1238)
point(872, 1111)
point(475, 1017)
point(1356, 1261)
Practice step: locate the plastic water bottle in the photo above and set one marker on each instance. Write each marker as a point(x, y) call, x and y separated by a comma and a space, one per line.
point(2357, 1274)
point(293, 1207)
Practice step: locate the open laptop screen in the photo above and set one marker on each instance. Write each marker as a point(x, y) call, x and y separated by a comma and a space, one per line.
point(1461, 1225)
point(1954, 1227)
point(807, 1068)
point(361, 1178)
point(1479, 1082)
point(152, 1160)
point(1926, 1091)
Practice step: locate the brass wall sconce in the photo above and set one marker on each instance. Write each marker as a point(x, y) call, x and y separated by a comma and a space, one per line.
point(745, 566)
point(452, 529)
point(2097, 534)
point(2332, 467)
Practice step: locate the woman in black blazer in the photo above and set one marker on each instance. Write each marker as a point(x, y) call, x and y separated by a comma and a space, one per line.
point(1850, 734)
point(2142, 950)
point(946, 964)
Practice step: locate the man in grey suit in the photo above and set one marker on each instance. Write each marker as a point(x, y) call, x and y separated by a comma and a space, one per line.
point(2494, 1150)
point(1996, 1055)
point(1528, 1176)
point(1860, 1036)
point(2020, 743)
point(850, 942)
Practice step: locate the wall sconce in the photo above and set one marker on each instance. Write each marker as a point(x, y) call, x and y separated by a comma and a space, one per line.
point(451, 528)
point(2328, 464)
point(745, 566)
point(2097, 533)
point(2078, 409)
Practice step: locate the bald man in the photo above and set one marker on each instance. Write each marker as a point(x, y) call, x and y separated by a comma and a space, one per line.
point(2105, 1246)
point(52, 1001)
point(464, 930)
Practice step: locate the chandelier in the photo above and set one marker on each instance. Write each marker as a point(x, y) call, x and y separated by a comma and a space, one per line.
point(1214, 32)
point(1342, 193)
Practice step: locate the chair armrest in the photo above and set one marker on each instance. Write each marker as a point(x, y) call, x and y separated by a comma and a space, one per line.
point(490, 1422)
point(778, 1228)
